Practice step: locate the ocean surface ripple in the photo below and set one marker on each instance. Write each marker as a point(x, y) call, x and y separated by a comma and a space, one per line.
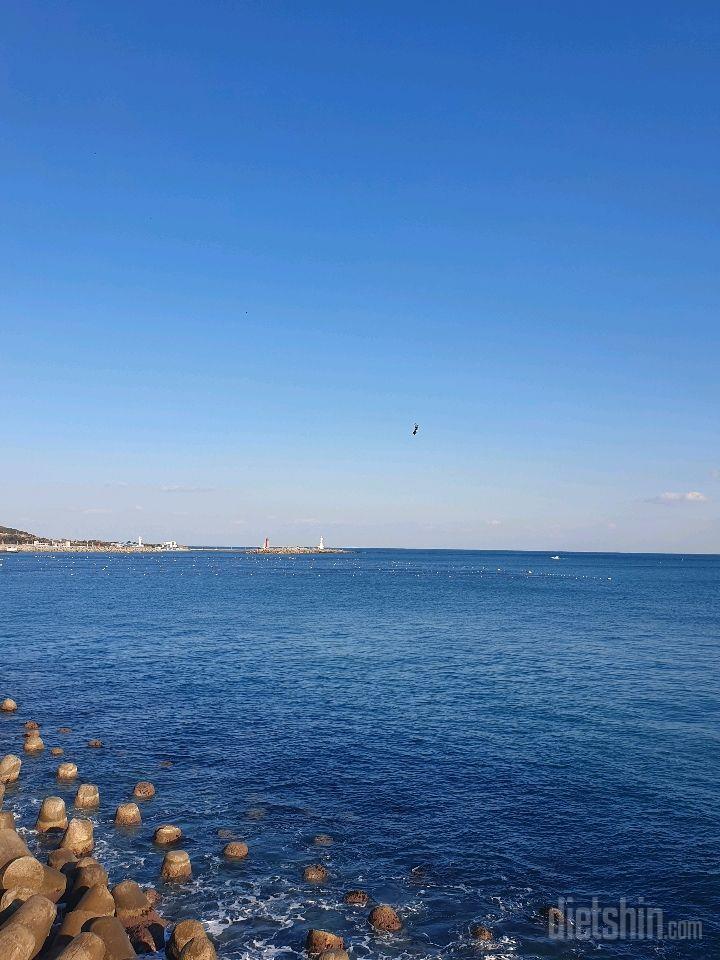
point(480, 733)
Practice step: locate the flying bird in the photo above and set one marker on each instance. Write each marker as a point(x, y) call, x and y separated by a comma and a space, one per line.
point(415, 429)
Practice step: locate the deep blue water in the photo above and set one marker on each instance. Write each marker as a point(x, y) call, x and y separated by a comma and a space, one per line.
point(516, 727)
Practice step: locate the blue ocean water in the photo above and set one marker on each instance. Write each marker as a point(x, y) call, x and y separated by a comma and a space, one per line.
point(481, 733)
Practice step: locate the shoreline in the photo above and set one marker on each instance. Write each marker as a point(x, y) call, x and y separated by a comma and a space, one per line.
point(58, 902)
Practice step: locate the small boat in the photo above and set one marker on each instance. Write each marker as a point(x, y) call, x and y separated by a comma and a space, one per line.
point(556, 557)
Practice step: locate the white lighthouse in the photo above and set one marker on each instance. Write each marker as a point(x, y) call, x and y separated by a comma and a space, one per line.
point(321, 545)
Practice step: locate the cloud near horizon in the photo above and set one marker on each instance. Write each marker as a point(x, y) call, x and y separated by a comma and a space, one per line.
point(179, 488)
point(692, 496)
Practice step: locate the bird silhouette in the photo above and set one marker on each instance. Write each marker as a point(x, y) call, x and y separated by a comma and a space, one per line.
point(415, 429)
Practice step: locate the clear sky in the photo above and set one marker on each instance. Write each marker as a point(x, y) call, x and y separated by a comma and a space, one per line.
point(245, 245)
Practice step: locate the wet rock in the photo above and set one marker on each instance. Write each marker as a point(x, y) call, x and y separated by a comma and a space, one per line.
point(356, 898)
point(383, 917)
point(95, 744)
point(7, 820)
point(225, 834)
point(167, 834)
point(315, 873)
point(57, 751)
point(8, 705)
point(318, 942)
point(176, 866)
point(24, 933)
point(323, 840)
point(480, 932)
point(67, 771)
point(86, 946)
point(166, 764)
point(183, 933)
point(128, 815)
point(79, 837)
point(113, 935)
point(553, 916)
point(2, 793)
point(87, 797)
point(199, 948)
point(64, 729)
point(52, 816)
point(256, 813)
point(144, 790)
point(10, 768)
point(235, 850)
point(33, 743)
point(22, 873)
point(31, 725)
point(334, 955)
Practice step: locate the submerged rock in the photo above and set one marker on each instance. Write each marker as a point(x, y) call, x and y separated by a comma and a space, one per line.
point(87, 797)
point(235, 850)
point(10, 768)
point(57, 751)
point(176, 866)
point(356, 898)
point(128, 815)
point(323, 840)
point(52, 816)
point(383, 917)
point(480, 932)
point(334, 955)
point(167, 834)
point(315, 873)
point(321, 941)
point(95, 744)
point(144, 790)
point(67, 771)
point(33, 743)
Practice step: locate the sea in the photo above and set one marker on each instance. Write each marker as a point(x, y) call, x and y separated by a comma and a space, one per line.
point(482, 735)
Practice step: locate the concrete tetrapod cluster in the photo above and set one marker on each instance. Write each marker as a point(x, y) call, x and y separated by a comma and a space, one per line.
point(64, 909)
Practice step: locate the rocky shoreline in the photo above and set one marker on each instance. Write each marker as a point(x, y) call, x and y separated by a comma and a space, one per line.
point(59, 903)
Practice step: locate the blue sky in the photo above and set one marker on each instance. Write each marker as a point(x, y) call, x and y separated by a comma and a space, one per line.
point(246, 245)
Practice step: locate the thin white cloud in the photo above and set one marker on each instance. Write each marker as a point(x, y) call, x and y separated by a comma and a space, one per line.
point(670, 497)
point(494, 523)
point(97, 510)
point(179, 488)
point(239, 523)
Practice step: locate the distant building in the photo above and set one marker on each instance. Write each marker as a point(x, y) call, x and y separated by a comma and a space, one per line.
point(266, 543)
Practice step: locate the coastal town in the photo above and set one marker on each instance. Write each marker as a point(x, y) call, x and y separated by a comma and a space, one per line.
point(20, 541)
